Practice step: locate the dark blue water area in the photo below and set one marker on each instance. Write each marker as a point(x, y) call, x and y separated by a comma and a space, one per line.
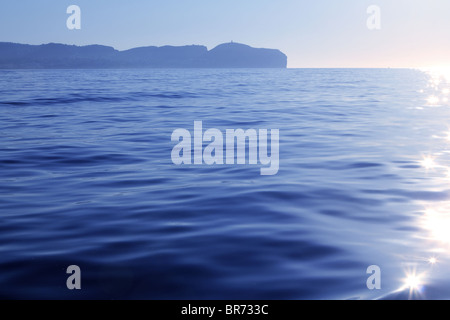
point(87, 179)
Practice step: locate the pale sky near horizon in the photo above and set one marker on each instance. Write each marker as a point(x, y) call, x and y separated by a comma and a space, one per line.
point(320, 33)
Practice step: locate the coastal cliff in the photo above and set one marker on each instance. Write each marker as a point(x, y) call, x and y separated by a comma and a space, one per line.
point(58, 56)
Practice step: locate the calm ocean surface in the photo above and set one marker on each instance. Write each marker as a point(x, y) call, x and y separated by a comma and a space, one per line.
point(87, 179)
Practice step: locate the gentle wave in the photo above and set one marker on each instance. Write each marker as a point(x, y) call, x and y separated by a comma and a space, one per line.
point(87, 179)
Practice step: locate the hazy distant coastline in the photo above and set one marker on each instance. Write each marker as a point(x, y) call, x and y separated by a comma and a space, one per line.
point(58, 56)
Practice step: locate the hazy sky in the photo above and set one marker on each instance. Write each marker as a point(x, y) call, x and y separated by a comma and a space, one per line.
point(319, 33)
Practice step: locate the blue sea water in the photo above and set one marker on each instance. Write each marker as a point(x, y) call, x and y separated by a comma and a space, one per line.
point(87, 179)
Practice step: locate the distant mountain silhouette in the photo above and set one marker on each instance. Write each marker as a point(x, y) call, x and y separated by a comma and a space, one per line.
point(56, 56)
point(236, 55)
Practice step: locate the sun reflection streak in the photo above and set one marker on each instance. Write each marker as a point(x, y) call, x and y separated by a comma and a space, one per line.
point(435, 220)
point(438, 74)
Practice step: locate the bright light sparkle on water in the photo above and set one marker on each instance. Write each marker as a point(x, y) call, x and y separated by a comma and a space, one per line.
point(428, 162)
point(413, 282)
point(433, 100)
